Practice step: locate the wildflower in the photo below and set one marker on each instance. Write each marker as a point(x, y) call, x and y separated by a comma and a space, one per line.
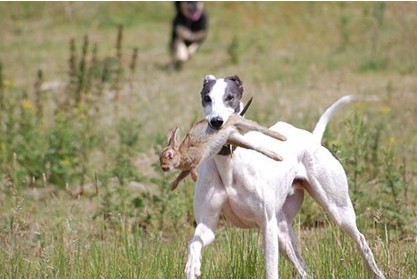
point(27, 105)
point(360, 106)
point(392, 140)
point(385, 110)
point(7, 83)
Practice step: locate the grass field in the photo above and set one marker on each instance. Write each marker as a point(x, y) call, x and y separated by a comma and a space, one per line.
point(82, 121)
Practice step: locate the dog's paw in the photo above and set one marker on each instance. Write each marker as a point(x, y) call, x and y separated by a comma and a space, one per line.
point(193, 267)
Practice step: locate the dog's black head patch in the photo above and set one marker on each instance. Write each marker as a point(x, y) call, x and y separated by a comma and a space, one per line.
point(208, 83)
point(234, 92)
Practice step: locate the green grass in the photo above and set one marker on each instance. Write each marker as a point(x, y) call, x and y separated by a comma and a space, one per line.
point(81, 192)
point(78, 246)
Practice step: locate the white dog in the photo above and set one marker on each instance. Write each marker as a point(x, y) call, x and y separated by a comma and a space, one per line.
point(255, 191)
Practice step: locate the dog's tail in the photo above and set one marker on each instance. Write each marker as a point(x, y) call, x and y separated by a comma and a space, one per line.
point(328, 114)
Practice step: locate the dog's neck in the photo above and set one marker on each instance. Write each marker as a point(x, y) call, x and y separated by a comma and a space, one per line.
point(228, 148)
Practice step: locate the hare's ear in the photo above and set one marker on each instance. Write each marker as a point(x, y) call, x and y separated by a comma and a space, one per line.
point(174, 137)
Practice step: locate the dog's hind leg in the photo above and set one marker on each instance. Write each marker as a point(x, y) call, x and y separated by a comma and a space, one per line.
point(286, 236)
point(328, 186)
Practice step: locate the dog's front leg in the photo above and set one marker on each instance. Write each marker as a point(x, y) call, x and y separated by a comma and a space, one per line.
point(270, 231)
point(209, 198)
point(203, 236)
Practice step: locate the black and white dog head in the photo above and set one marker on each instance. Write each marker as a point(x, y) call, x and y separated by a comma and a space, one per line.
point(220, 98)
point(191, 10)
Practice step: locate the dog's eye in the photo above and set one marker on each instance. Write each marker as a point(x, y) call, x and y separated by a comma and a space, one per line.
point(207, 99)
point(229, 97)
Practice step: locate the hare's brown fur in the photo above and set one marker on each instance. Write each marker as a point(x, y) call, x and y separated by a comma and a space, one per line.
point(202, 141)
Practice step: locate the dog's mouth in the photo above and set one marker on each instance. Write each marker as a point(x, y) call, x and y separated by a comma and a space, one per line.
point(195, 16)
point(214, 128)
point(216, 122)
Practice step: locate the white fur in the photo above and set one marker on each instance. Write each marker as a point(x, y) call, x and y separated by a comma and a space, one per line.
point(255, 191)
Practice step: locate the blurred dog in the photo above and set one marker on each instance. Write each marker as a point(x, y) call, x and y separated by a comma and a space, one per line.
point(189, 30)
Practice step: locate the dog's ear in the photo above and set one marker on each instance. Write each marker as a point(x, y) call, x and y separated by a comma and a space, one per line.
point(208, 78)
point(173, 137)
point(237, 81)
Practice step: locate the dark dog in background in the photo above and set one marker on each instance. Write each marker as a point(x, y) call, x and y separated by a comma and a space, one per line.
point(189, 30)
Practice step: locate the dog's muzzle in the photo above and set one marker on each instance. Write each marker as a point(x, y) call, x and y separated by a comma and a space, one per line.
point(216, 122)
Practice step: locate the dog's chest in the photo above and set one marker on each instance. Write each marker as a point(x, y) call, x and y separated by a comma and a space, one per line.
point(254, 184)
point(245, 202)
point(243, 208)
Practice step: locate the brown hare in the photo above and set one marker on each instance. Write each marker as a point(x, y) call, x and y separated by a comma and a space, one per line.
point(202, 141)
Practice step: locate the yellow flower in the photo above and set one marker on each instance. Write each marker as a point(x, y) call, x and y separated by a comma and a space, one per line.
point(7, 83)
point(65, 163)
point(392, 140)
point(360, 106)
point(385, 110)
point(27, 105)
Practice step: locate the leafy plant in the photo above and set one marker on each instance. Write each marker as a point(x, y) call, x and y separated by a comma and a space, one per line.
point(234, 50)
point(397, 211)
point(61, 157)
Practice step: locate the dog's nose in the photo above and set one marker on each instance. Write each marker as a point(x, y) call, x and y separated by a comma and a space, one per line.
point(216, 122)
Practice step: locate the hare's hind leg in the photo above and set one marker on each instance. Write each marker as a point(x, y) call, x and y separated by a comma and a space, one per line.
point(246, 125)
point(239, 140)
